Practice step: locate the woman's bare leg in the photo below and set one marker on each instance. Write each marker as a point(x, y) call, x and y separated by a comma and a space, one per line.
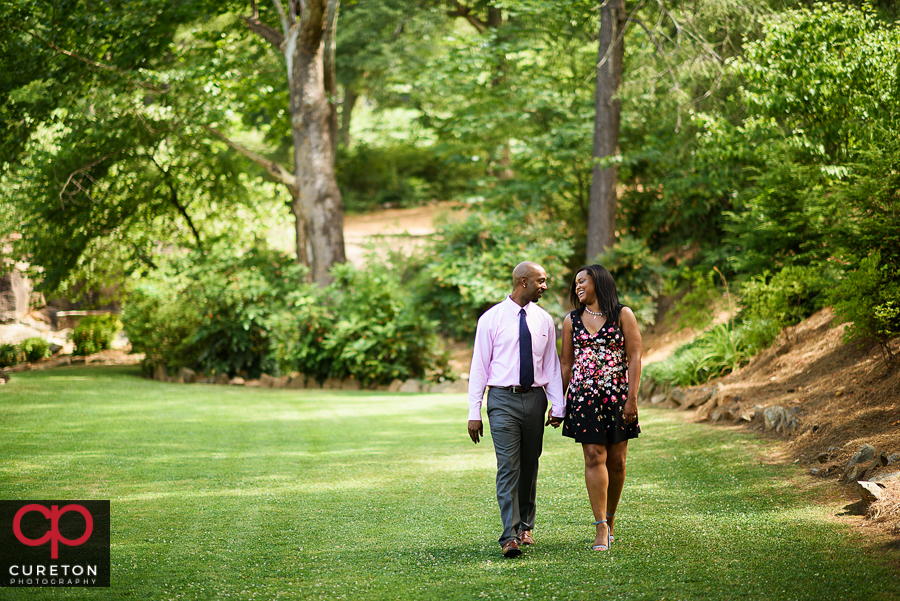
point(615, 468)
point(596, 478)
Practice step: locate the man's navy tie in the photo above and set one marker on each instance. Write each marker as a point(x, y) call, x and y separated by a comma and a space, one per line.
point(526, 361)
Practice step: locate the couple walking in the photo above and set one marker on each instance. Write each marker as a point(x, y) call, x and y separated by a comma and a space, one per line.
point(515, 359)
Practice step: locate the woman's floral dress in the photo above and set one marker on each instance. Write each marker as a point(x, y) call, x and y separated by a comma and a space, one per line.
point(595, 401)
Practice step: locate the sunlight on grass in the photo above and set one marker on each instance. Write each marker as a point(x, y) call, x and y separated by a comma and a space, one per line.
point(229, 493)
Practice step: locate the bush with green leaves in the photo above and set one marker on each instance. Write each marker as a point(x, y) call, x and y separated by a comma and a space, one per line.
point(639, 274)
point(34, 348)
point(10, 355)
point(787, 297)
point(471, 263)
point(869, 298)
point(717, 352)
point(94, 334)
point(695, 308)
point(254, 312)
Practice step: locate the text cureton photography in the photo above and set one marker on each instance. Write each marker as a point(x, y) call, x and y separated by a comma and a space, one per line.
point(54, 543)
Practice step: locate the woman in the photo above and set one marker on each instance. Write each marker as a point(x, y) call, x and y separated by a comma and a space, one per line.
point(601, 371)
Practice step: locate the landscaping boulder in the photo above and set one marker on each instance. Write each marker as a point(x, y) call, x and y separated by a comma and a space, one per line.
point(280, 381)
point(159, 372)
point(886, 477)
point(236, 381)
point(656, 399)
point(332, 384)
point(679, 397)
point(895, 458)
point(187, 375)
point(221, 378)
point(265, 381)
point(457, 387)
point(351, 384)
point(864, 454)
point(870, 491)
point(395, 385)
point(297, 382)
point(411, 386)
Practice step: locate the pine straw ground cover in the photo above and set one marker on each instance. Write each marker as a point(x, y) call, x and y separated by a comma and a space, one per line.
point(234, 493)
point(846, 396)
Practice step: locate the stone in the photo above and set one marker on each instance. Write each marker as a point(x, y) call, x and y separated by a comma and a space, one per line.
point(280, 382)
point(440, 387)
point(773, 417)
point(395, 385)
point(64, 361)
point(815, 471)
point(457, 387)
point(679, 396)
point(253, 383)
point(266, 381)
point(297, 382)
point(891, 477)
point(15, 295)
point(704, 394)
point(411, 385)
point(748, 416)
point(656, 399)
point(332, 384)
point(864, 454)
point(895, 458)
point(221, 378)
point(55, 348)
point(187, 375)
point(870, 491)
point(851, 474)
point(159, 372)
point(351, 384)
point(881, 460)
point(175, 380)
point(236, 381)
point(824, 457)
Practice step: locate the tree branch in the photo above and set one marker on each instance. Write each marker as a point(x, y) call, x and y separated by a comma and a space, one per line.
point(463, 11)
point(167, 177)
point(274, 169)
point(269, 34)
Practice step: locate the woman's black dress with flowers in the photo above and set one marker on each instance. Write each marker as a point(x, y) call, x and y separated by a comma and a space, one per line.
point(595, 401)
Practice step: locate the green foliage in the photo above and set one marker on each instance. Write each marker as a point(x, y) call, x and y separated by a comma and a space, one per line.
point(789, 296)
point(472, 261)
point(34, 349)
point(95, 333)
point(400, 175)
point(10, 354)
point(695, 308)
point(639, 274)
point(254, 312)
point(869, 297)
point(716, 352)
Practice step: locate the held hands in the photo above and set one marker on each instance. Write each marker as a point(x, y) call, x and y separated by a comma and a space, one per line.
point(476, 430)
point(554, 421)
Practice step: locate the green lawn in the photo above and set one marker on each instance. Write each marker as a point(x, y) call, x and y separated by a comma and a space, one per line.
point(233, 493)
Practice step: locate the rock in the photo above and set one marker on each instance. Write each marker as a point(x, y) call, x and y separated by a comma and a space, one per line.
point(657, 399)
point(457, 387)
point(895, 458)
point(55, 348)
point(266, 381)
point(331, 384)
point(297, 382)
point(236, 381)
point(351, 384)
point(80, 359)
point(281, 382)
point(824, 457)
point(886, 477)
point(159, 372)
point(395, 385)
point(64, 361)
point(704, 394)
point(773, 417)
point(852, 473)
point(679, 396)
point(251, 383)
point(221, 378)
point(440, 388)
point(187, 375)
point(411, 386)
point(870, 491)
point(881, 460)
point(815, 471)
point(175, 380)
point(864, 454)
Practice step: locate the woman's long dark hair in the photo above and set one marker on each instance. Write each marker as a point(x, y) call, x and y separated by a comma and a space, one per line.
point(604, 288)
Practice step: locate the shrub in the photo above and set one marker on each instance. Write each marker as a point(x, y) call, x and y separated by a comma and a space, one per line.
point(472, 261)
point(788, 297)
point(255, 312)
point(10, 354)
point(95, 333)
point(695, 308)
point(34, 349)
point(639, 275)
point(869, 297)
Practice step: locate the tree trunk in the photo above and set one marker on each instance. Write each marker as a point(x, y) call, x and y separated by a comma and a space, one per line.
point(601, 227)
point(350, 98)
point(301, 234)
point(311, 120)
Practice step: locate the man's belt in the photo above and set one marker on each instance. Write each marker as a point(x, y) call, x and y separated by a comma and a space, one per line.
point(516, 389)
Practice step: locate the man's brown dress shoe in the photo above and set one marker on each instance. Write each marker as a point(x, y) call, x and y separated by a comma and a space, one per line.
point(511, 548)
point(525, 537)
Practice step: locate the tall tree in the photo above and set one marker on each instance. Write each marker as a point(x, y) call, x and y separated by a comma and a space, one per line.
point(601, 227)
point(307, 42)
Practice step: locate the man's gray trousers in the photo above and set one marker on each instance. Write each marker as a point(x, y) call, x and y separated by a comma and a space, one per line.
point(517, 429)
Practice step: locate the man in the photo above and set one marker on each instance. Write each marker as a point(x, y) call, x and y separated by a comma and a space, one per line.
point(515, 357)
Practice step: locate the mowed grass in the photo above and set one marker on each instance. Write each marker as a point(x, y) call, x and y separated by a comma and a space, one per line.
point(233, 493)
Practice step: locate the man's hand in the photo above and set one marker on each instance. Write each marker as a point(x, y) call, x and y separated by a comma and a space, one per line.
point(554, 421)
point(476, 430)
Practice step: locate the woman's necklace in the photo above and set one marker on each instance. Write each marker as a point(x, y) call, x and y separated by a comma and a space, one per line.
point(600, 314)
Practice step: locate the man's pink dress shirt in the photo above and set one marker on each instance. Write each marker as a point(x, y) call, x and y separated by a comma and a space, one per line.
point(495, 360)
